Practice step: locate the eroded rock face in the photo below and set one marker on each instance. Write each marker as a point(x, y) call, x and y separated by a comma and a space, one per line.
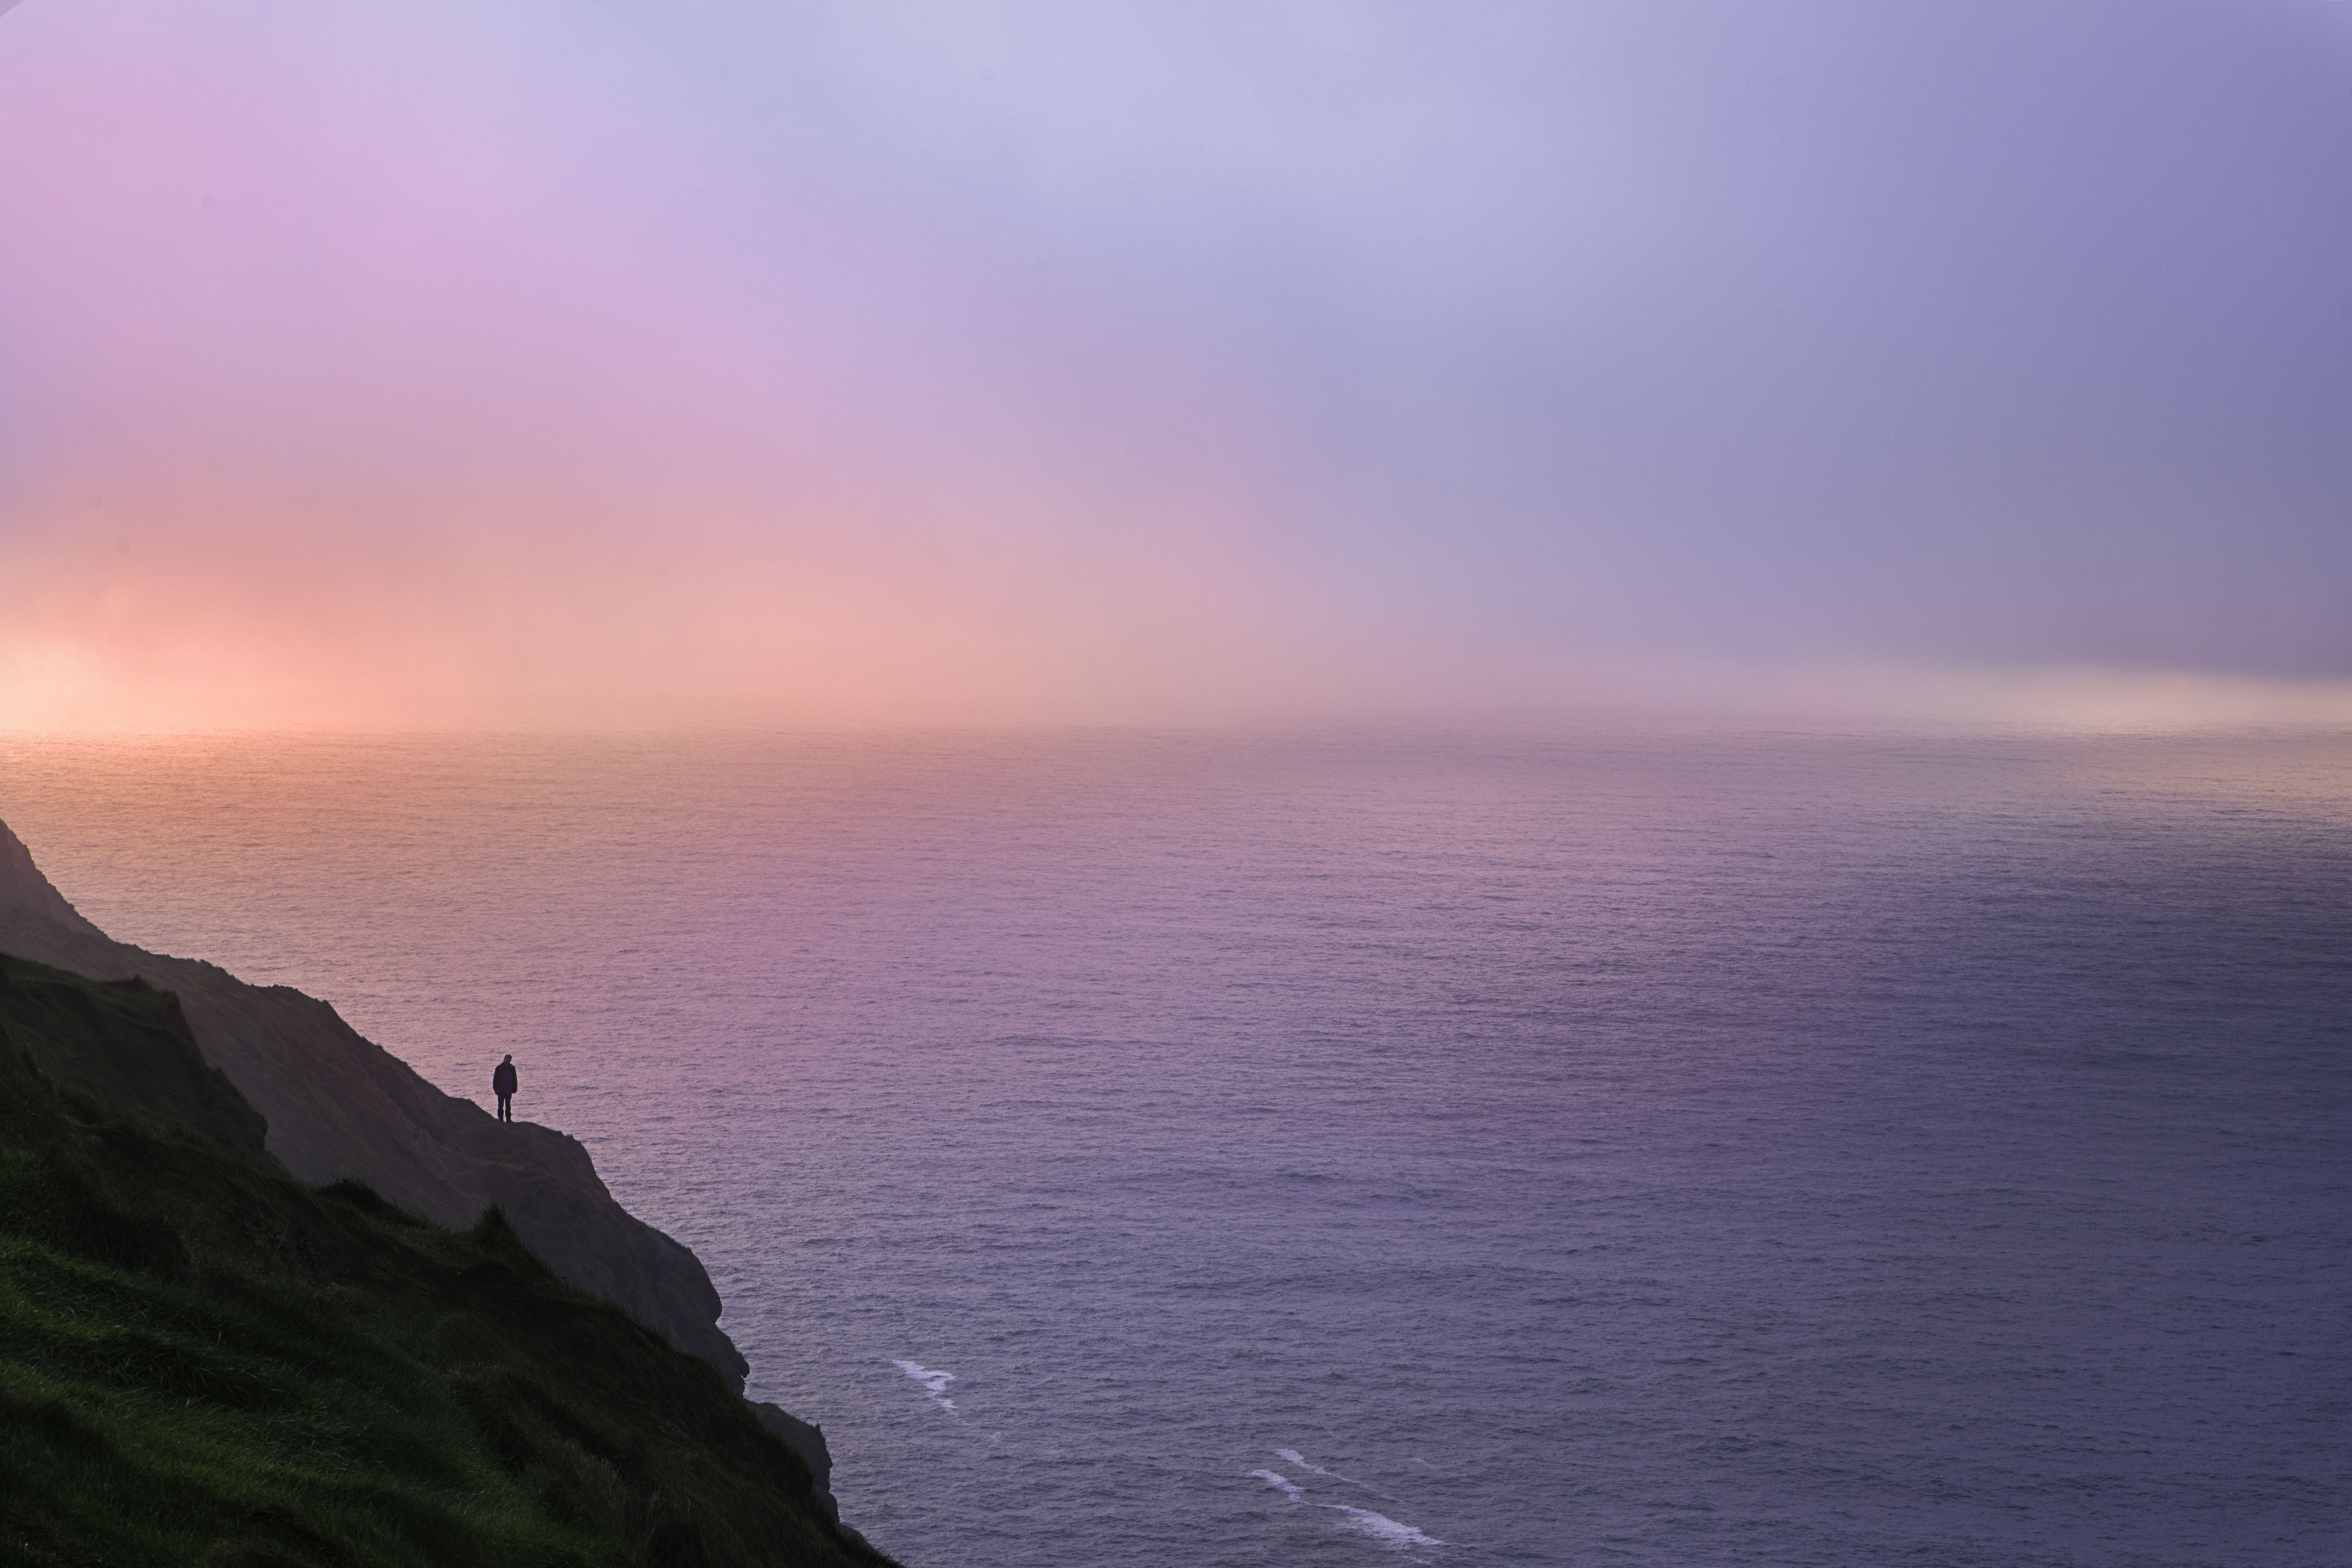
point(806, 1439)
point(341, 1106)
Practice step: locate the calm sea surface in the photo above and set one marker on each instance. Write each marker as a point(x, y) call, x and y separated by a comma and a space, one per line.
point(1164, 1149)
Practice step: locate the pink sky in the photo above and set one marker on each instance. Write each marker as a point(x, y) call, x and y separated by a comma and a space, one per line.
point(427, 365)
point(357, 384)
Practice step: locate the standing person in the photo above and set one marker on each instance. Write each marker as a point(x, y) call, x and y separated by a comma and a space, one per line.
point(502, 1084)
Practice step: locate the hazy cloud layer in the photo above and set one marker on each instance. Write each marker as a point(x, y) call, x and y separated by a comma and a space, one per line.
point(565, 362)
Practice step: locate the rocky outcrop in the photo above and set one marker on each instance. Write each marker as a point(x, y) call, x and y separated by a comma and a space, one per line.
point(806, 1439)
point(339, 1106)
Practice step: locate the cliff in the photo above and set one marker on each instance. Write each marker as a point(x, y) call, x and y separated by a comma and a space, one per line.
point(205, 1361)
point(339, 1106)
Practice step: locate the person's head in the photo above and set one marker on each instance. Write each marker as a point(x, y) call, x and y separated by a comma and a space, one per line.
point(510, 1055)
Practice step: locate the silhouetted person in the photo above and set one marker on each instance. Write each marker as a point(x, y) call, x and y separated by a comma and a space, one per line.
point(502, 1084)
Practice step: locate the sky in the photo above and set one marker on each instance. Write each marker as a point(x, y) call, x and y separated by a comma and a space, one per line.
point(587, 363)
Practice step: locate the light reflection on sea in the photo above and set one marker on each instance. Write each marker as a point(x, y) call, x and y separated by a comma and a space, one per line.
point(1350, 1147)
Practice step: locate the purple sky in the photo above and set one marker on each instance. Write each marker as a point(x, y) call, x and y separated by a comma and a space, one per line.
point(1047, 361)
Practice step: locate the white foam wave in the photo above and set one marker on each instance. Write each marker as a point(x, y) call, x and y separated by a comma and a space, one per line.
point(1381, 1527)
point(1280, 1483)
point(1296, 1458)
point(935, 1383)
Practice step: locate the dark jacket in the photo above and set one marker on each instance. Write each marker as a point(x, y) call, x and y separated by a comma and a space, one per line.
point(503, 1080)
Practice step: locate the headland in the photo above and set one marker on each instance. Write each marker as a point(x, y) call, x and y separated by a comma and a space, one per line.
point(269, 1296)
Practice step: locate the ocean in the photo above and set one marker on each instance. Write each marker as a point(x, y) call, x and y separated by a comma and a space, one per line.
point(1347, 1148)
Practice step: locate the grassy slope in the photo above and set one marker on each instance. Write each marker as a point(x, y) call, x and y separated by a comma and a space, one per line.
point(204, 1361)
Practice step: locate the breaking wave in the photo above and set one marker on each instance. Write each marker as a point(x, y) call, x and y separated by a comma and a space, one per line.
point(935, 1383)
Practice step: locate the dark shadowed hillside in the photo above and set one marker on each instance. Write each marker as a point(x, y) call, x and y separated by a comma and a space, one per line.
point(123, 1048)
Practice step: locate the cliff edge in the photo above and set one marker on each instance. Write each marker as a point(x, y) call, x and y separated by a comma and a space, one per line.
point(338, 1106)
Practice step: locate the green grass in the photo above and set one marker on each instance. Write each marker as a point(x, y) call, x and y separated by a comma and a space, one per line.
point(204, 1361)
